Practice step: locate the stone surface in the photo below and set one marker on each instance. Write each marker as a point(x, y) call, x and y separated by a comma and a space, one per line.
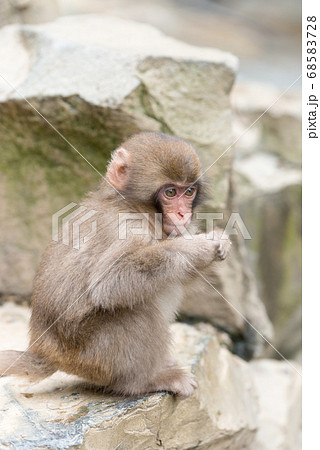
point(275, 224)
point(267, 174)
point(27, 11)
point(279, 417)
point(278, 130)
point(289, 337)
point(237, 404)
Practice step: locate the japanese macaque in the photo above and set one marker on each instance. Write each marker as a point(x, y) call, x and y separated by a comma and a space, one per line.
point(103, 311)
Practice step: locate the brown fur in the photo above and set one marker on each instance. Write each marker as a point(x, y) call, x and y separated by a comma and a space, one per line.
point(103, 312)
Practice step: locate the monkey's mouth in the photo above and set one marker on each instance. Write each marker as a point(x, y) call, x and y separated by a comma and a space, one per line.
point(179, 226)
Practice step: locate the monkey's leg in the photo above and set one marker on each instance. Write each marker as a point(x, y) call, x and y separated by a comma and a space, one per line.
point(174, 379)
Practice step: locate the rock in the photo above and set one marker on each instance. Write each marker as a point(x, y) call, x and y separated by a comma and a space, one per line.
point(275, 224)
point(267, 176)
point(263, 173)
point(229, 410)
point(27, 11)
point(96, 79)
point(279, 418)
point(278, 130)
point(289, 338)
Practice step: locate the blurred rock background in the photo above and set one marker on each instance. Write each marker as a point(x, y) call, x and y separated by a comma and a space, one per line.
point(264, 35)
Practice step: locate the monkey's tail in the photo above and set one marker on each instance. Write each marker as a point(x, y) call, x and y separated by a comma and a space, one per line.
point(24, 364)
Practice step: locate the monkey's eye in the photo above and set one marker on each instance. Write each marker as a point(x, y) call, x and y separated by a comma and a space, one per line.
point(190, 191)
point(171, 192)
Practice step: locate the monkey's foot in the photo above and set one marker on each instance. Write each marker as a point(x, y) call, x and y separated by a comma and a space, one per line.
point(185, 385)
point(175, 380)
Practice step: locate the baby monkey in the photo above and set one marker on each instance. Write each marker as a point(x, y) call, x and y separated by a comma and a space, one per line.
point(103, 311)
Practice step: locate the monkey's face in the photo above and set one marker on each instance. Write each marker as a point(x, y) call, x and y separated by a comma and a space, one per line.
point(158, 173)
point(176, 202)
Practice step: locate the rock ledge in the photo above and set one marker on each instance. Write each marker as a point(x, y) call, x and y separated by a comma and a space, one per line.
point(234, 407)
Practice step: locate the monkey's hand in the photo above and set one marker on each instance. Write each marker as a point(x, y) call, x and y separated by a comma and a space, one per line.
point(203, 248)
point(223, 244)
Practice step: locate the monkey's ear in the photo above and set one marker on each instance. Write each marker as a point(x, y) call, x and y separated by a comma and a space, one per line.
point(118, 169)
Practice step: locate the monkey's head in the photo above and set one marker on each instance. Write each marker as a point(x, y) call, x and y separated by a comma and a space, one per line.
point(156, 170)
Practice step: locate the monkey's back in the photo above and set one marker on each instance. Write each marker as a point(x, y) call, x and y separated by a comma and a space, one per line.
point(103, 345)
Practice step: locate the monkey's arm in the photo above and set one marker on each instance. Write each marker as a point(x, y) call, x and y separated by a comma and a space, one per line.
point(142, 271)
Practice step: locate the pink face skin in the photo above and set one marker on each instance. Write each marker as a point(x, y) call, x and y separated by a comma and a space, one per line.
point(176, 202)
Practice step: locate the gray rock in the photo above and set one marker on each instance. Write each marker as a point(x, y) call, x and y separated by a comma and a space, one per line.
point(27, 11)
point(279, 417)
point(278, 129)
point(237, 404)
point(267, 176)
